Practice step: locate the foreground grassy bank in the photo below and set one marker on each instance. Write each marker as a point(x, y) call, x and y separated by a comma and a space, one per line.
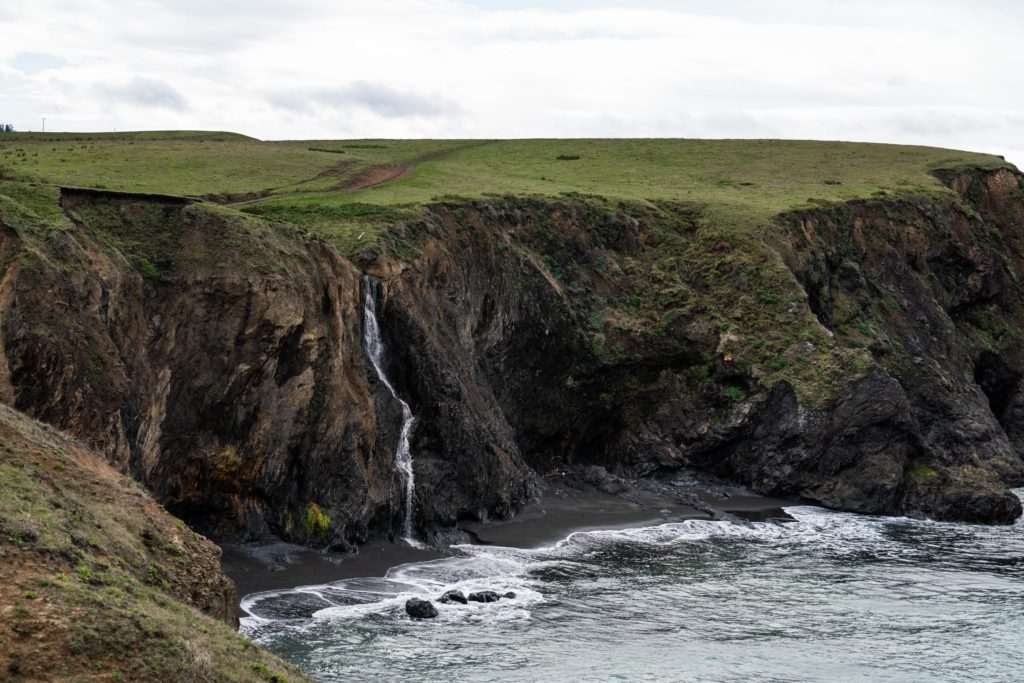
point(99, 582)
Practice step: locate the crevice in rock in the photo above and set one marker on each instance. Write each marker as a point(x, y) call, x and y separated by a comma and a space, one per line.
point(998, 381)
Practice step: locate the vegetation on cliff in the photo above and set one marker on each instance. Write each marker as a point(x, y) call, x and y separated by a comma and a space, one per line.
point(347, 189)
point(351, 192)
point(99, 582)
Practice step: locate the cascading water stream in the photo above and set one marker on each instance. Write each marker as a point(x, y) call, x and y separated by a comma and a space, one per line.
point(403, 456)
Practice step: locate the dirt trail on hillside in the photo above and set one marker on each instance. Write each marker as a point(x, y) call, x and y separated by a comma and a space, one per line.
point(371, 177)
point(378, 175)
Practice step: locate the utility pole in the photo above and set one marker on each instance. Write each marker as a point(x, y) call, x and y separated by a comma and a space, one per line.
point(44, 124)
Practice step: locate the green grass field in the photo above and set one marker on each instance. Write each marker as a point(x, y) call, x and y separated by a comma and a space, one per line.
point(312, 183)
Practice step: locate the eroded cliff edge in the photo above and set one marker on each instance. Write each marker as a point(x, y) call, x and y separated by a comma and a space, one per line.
point(865, 356)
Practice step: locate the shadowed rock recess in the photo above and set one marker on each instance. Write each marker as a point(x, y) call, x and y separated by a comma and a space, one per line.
point(866, 356)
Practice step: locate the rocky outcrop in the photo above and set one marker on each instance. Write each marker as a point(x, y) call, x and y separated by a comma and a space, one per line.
point(516, 314)
point(933, 290)
point(420, 609)
point(452, 596)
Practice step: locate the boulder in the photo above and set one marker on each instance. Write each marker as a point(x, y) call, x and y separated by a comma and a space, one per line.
point(453, 596)
point(484, 596)
point(420, 609)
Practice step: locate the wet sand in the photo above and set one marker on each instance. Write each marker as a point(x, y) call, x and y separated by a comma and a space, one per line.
point(561, 511)
point(262, 567)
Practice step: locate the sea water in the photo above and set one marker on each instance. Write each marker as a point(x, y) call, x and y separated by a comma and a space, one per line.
point(829, 596)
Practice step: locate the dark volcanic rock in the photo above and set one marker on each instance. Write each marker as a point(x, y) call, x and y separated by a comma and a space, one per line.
point(500, 356)
point(530, 336)
point(484, 596)
point(936, 285)
point(420, 609)
point(599, 477)
point(510, 595)
point(236, 389)
point(211, 383)
point(453, 596)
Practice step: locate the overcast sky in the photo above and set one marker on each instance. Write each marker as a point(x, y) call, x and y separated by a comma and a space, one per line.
point(939, 72)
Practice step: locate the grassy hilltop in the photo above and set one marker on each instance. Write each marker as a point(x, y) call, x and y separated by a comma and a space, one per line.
point(344, 189)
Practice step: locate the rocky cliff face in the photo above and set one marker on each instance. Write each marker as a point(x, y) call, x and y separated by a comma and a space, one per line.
point(865, 356)
point(237, 392)
point(933, 290)
point(543, 322)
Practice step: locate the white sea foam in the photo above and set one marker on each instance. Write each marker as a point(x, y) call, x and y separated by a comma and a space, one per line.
point(862, 598)
point(502, 569)
point(475, 568)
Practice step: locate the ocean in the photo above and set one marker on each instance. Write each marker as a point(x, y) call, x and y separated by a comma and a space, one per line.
point(828, 596)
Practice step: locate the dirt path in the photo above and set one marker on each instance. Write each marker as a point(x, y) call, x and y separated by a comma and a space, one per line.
point(371, 177)
point(378, 175)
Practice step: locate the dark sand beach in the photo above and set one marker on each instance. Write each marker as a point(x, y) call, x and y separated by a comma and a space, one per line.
point(560, 511)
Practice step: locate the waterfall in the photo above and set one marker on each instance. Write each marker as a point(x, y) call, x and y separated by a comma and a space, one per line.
point(375, 349)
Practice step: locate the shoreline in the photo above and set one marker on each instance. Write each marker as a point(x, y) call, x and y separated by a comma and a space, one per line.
point(561, 511)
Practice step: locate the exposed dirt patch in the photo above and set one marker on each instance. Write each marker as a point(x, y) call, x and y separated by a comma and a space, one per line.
point(378, 175)
point(338, 170)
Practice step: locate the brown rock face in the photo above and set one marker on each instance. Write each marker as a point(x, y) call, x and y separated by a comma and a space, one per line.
point(239, 396)
point(496, 314)
point(939, 287)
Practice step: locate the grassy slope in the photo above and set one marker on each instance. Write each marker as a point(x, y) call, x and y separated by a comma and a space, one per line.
point(742, 183)
point(172, 166)
point(96, 576)
point(193, 135)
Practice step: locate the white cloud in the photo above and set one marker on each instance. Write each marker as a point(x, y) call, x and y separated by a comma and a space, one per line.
point(379, 99)
point(940, 72)
point(145, 92)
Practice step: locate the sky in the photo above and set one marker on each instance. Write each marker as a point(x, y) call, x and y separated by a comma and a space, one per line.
point(948, 73)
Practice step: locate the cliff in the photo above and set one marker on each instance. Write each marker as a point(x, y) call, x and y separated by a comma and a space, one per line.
point(862, 354)
point(865, 356)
